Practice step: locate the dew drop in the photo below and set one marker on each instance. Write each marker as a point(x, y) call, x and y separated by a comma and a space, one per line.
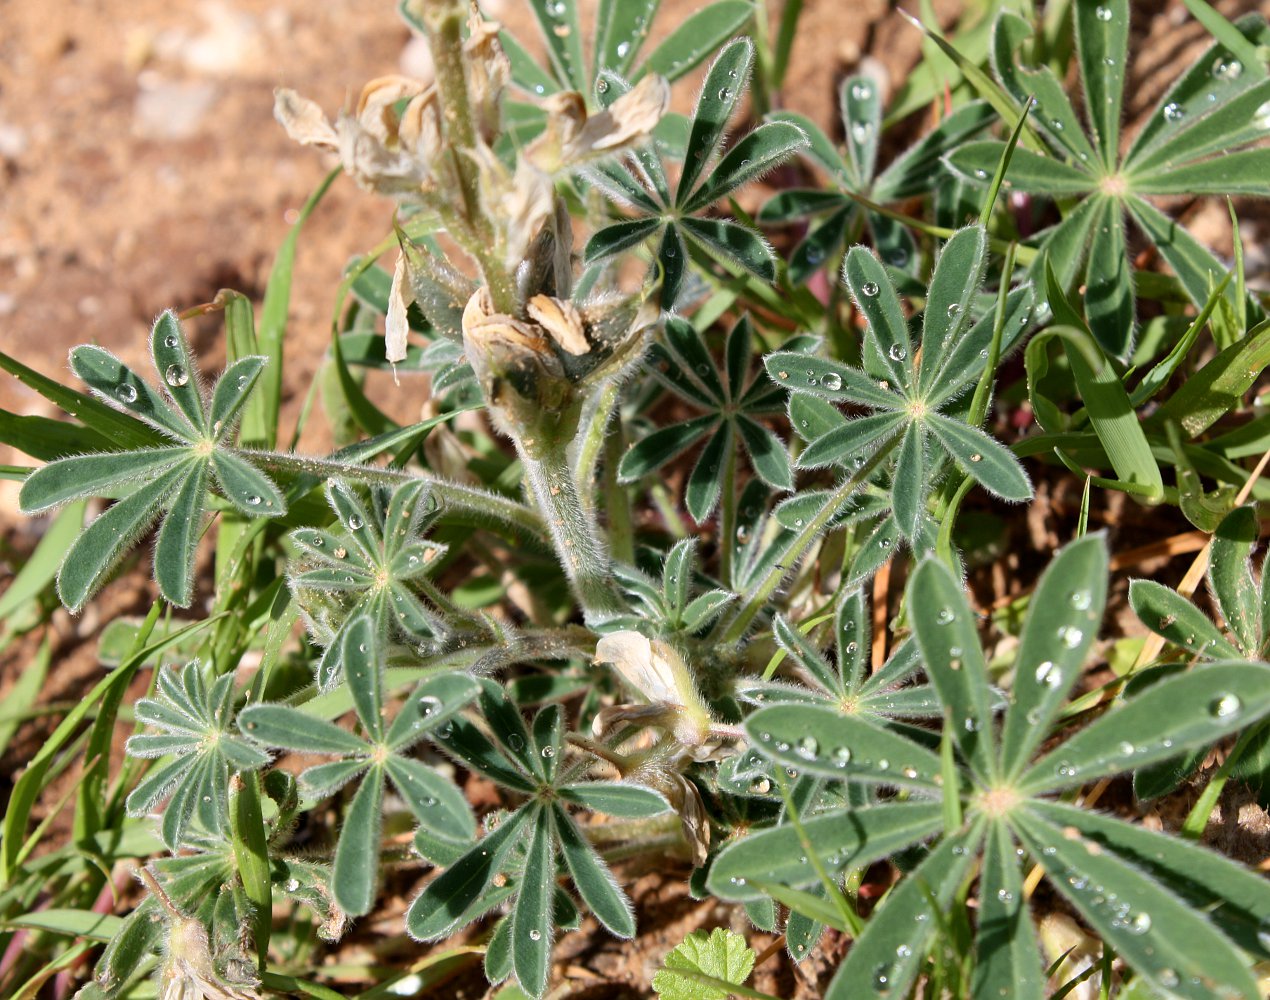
point(1174, 112)
point(254, 501)
point(1140, 924)
point(1225, 706)
point(535, 935)
point(354, 523)
point(293, 884)
point(1167, 978)
point(861, 131)
point(622, 49)
point(1126, 748)
point(945, 616)
point(976, 457)
point(176, 376)
point(1102, 13)
point(516, 742)
point(1081, 600)
point(1065, 770)
point(127, 393)
point(548, 752)
point(1005, 896)
point(808, 748)
point(428, 704)
point(1049, 674)
point(724, 93)
point(1070, 637)
point(1056, 125)
point(953, 309)
point(1227, 69)
point(833, 381)
point(861, 91)
point(1261, 117)
point(602, 85)
point(841, 756)
point(868, 289)
point(896, 353)
point(981, 174)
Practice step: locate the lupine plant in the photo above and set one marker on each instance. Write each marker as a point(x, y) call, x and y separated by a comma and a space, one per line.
point(690, 573)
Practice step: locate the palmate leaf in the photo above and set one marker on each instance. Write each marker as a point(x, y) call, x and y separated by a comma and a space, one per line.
point(192, 718)
point(915, 173)
point(377, 566)
point(736, 401)
point(1168, 942)
point(528, 760)
point(169, 482)
point(1144, 892)
point(910, 399)
point(705, 178)
point(621, 28)
point(889, 954)
point(1195, 141)
point(1176, 714)
point(377, 757)
point(843, 839)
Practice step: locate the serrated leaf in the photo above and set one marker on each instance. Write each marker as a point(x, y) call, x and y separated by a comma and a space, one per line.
point(721, 955)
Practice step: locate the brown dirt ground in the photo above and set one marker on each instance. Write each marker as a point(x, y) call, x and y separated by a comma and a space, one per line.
point(140, 168)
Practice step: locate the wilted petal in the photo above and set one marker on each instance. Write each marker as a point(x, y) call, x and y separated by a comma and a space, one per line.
point(527, 204)
point(571, 139)
point(374, 166)
point(488, 71)
point(561, 321)
point(303, 120)
point(375, 106)
point(396, 326)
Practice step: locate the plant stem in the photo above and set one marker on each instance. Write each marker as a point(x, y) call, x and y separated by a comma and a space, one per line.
point(477, 507)
point(727, 520)
point(468, 223)
point(551, 485)
point(754, 601)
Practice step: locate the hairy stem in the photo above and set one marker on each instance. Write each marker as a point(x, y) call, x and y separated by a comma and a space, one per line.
point(468, 223)
point(554, 490)
point(467, 504)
